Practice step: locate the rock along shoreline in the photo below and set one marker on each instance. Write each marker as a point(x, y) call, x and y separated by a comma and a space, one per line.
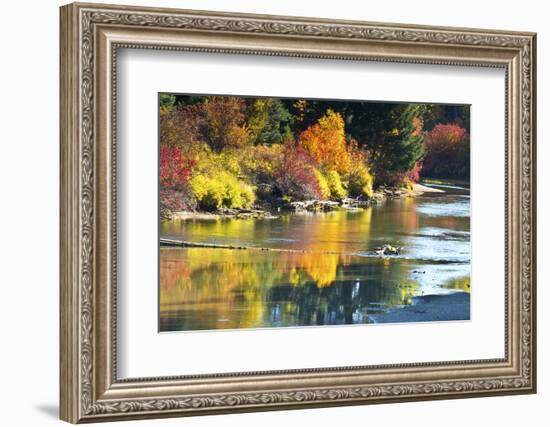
point(307, 206)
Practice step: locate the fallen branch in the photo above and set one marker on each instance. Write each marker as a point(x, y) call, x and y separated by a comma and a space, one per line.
point(375, 253)
point(185, 244)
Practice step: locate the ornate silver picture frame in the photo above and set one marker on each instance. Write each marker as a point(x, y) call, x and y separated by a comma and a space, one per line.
point(91, 34)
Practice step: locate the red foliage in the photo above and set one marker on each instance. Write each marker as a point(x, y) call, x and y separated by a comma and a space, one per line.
point(175, 170)
point(401, 178)
point(447, 134)
point(414, 174)
point(296, 176)
point(447, 152)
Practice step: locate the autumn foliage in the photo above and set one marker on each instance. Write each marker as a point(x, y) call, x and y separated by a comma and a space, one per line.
point(233, 152)
point(341, 164)
point(403, 178)
point(447, 152)
point(325, 142)
point(224, 122)
point(175, 168)
point(174, 173)
point(296, 177)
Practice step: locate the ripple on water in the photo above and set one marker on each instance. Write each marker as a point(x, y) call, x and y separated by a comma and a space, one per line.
point(457, 208)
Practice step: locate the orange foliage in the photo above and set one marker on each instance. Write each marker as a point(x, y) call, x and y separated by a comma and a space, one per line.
point(325, 142)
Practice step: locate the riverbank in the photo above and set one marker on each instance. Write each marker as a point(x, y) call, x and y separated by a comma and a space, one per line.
point(226, 213)
point(428, 308)
point(268, 211)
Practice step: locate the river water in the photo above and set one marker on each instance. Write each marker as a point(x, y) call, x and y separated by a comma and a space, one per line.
point(326, 272)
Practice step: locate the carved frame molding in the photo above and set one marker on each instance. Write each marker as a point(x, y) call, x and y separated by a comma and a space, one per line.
point(90, 37)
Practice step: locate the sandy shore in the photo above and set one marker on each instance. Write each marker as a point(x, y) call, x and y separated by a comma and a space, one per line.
point(419, 188)
point(428, 308)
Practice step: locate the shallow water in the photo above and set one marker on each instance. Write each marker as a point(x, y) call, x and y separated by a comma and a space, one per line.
point(330, 277)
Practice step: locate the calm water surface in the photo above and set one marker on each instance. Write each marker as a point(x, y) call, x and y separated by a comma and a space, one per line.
point(337, 280)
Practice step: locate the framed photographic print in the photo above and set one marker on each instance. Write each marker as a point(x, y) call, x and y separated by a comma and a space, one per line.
point(265, 212)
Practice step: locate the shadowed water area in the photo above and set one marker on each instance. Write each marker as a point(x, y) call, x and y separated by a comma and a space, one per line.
point(326, 272)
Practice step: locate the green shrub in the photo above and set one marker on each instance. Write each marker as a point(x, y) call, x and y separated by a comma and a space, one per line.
point(337, 190)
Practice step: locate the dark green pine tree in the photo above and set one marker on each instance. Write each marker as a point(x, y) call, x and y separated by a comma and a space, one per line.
point(403, 145)
point(167, 101)
point(271, 119)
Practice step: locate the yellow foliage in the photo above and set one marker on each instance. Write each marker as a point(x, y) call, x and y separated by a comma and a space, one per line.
point(261, 158)
point(408, 184)
point(360, 181)
point(336, 187)
point(257, 121)
point(332, 121)
point(323, 184)
point(210, 162)
point(300, 105)
point(222, 189)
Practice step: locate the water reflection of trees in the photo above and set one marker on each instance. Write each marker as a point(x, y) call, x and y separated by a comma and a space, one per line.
point(202, 288)
point(460, 284)
point(337, 231)
point(218, 288)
